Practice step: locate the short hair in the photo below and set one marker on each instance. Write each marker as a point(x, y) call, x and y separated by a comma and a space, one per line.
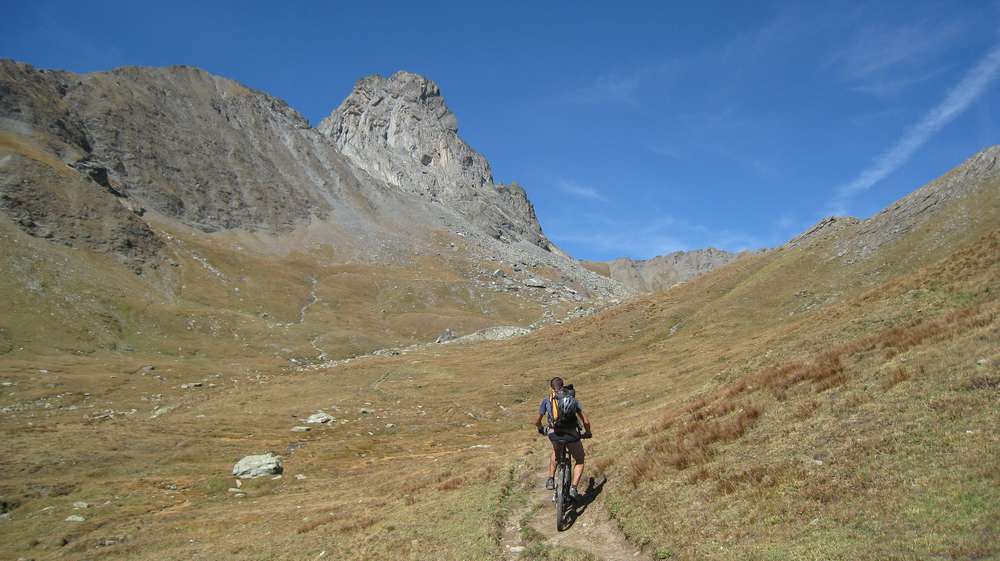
point(556, 383)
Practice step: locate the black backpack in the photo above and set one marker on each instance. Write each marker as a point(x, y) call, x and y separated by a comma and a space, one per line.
point(564, 409)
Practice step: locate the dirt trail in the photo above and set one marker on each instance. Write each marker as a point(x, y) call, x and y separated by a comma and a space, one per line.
point(592, 531)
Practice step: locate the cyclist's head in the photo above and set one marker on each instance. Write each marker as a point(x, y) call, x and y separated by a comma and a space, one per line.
point(556, 383)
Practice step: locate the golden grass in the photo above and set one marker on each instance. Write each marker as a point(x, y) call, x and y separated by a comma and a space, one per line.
point(725, 440)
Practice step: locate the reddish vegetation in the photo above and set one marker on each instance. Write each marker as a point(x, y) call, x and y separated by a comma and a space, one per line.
point(453, 483)
point(896, 376)
point(692, 444)
point(707, 420)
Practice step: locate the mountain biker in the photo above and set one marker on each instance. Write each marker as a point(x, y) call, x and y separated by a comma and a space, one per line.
point(563, 432)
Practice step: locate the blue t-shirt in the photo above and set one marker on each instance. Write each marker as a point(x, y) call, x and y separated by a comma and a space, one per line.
point(546, 408)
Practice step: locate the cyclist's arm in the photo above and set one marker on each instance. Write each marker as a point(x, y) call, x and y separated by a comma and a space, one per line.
point(586, 421)
point(538, 421)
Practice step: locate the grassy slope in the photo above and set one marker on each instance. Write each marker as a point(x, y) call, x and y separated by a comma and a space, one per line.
point(885, 448)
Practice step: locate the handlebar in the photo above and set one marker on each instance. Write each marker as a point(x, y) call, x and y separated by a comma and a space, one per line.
point(544, 431)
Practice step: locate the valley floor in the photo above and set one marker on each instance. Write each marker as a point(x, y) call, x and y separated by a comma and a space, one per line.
point(815, 419)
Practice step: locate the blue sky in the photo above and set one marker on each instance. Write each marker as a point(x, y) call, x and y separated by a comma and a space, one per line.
point(638, 128)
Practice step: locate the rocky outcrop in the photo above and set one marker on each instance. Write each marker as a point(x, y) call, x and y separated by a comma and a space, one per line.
point(664, 271)
point(400, 131)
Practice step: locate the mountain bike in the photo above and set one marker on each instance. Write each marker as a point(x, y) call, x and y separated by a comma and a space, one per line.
point(563, 480)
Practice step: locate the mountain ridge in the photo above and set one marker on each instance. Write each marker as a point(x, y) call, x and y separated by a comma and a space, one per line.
point(215, 155)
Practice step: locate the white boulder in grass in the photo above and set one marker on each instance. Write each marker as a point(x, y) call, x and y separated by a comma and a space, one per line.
point(257, 466)
point(319, 417)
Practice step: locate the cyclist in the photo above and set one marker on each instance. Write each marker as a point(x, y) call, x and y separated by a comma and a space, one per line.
point(563, 431)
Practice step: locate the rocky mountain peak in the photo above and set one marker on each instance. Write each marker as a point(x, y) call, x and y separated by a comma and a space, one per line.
point(399, 129)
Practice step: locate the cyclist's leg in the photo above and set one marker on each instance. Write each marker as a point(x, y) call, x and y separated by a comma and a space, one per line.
point(552, 459)
point(576, 450)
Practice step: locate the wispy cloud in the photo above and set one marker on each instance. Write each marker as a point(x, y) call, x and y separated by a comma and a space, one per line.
point(579, 190)
point(958, 99)
point(876, 49)
point(609, 88)
point(887, 86)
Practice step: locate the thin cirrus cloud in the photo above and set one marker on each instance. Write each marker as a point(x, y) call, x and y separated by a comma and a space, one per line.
point(958, 99)
point(608, 88)
point(579, 190)
point(875, 51)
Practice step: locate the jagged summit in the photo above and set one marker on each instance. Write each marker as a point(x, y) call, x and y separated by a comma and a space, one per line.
point(400, 130)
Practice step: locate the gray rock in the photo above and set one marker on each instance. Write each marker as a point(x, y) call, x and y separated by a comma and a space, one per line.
point(400, 131)
point(80, 505)
point(534, 282)
point(301, 429)
point(445, 336)
point(75, 518)
point(257, 466)
point(320, 417)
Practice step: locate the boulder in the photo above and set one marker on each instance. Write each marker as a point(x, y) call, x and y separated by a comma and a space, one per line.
point(257, 466)
point(534, 282)
point(319, 417)
point(445, 336)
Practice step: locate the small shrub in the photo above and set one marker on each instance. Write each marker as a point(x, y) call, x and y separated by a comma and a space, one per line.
point(639, 469)
point(358, 524)
point(701, 474)
point(451, 484)
point(805, 410)
point(896, 376)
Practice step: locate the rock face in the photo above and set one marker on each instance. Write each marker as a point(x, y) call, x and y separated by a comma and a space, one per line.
point(257, 466)
point(87, 159)
point(400, 131)
point(664, 271)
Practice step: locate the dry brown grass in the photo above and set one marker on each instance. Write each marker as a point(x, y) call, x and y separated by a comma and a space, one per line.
point(602, 466)
point(451, 484)
point(895, 377)
point(754, 476)
point(692, 442)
